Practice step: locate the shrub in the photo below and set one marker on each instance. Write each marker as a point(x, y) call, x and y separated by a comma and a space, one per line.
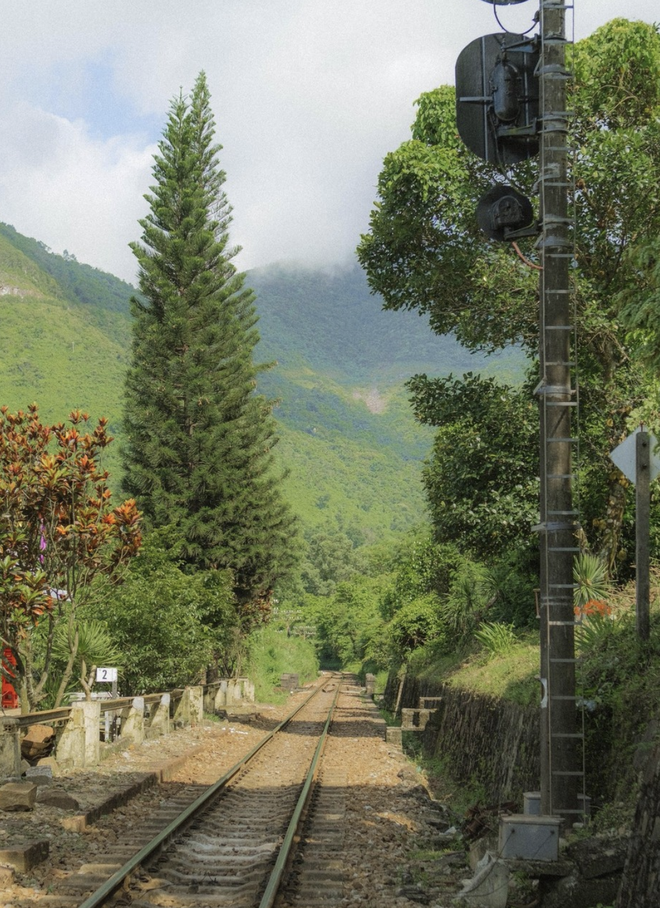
point(496, 638)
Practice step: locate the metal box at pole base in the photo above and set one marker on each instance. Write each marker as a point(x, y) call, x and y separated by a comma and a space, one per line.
point(529, 838)
point(532, 803)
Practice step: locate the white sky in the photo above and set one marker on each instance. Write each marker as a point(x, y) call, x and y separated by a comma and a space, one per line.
point(308, 95)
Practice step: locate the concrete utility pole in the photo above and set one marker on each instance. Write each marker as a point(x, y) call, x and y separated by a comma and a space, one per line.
point(511, 104)
point(561, 765)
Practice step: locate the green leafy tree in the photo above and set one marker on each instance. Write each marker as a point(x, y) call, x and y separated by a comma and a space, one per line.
point(330, 558)
point(481, 479)
point(415, 624)
point(95, 647)
point(167, 625)
point(419, 566)
point(347, 623)
point(199, 449)
point(424, 249)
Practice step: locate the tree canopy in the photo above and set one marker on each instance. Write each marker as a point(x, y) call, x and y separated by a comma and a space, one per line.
point(424, 250)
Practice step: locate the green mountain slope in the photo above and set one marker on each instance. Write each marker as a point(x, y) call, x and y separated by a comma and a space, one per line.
point(56, 349)
point(330, 321)
point(348, 434)
point(348, 439)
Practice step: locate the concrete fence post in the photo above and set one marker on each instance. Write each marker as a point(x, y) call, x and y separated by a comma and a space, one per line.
point(220, 696)
point(209, 699)
point(79, 743)
point(182, 711)
point(247, 690)
point(233, 692)
point(132, 721)
point(10, 748)
point(159, 723)
point(190, 708)
point(196, 704)
point(91, 710)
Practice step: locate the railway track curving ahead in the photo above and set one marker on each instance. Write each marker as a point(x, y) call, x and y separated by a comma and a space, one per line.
point(233, 843)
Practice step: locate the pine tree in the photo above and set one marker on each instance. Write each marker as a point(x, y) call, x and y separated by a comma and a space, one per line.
point(199, 438)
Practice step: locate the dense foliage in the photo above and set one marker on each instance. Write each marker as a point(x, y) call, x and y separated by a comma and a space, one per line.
point(168, 625)
point(409, 595)
point(424, 251)
point(481, 481)
point(199, 440)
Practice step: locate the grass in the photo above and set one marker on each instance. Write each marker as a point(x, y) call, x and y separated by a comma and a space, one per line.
point(618, 678)
point(511, 674)
point(272, 653)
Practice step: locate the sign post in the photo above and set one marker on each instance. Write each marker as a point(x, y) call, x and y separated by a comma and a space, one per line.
point(636, 460)
point(108, 676)
point(643, 537)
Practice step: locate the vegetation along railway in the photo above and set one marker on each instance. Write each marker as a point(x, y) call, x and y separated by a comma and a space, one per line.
point(272, 830)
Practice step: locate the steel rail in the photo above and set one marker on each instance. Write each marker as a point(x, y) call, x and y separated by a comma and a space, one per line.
point(271, 891)
point(111, 885)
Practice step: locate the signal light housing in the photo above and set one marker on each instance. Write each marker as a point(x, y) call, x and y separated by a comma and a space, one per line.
point(503, 211)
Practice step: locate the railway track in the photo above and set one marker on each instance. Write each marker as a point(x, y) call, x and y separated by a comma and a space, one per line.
point(267, 833)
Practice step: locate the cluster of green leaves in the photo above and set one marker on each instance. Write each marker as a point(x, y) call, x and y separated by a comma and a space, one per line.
point(168, 625)
point(424, 251)
point(95, 647)
point(618, 678)
point(496, 638)
point(481, 480)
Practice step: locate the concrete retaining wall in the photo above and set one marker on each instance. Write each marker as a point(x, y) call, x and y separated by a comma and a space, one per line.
point(483, 739)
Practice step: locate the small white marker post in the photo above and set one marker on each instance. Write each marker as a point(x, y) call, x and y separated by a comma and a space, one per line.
point(107, 676)
point(636, 460)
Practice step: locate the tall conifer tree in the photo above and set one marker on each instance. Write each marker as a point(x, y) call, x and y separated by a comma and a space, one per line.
point(199, 439)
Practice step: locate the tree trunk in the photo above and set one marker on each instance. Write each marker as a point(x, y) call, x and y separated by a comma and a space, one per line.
point(52, 622)
point(640, 886)
point(68, 671)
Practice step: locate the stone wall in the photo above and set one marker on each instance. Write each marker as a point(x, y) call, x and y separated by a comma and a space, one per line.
point(480, 739)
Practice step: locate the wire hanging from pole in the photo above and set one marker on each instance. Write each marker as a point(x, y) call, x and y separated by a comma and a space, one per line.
point(508, 31)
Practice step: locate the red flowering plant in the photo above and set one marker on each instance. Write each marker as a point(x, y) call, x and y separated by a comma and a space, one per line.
point(58, 531)
point(593, 608)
